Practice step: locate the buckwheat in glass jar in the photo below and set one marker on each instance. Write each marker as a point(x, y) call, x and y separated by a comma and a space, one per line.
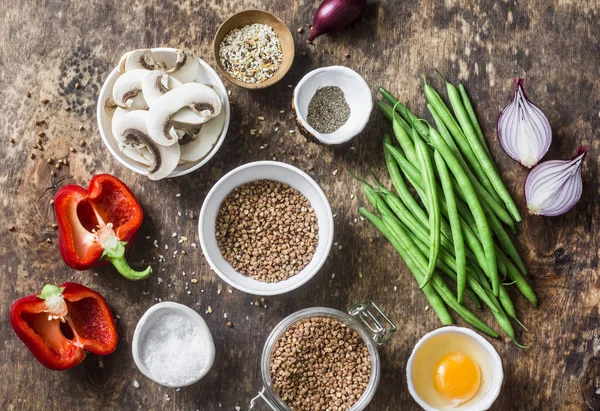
point(320, 363)
point(301, 365)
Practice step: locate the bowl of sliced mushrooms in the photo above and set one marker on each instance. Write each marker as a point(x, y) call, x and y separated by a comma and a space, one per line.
point(163, 112)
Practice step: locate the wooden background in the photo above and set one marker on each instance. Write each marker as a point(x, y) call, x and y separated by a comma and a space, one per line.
point(49, 46)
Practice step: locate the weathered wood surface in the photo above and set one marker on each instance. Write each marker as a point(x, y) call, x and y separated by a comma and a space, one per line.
point(49, 46)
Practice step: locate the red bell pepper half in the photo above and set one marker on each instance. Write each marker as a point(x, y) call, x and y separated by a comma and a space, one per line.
point(96, 224)
point(60, 324)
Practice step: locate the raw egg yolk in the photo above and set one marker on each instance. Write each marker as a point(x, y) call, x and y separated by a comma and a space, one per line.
point(457, 377)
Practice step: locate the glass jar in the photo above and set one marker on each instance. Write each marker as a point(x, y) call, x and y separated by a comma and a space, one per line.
point(367, 319)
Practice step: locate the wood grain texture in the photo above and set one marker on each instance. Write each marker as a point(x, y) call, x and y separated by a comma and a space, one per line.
point(48, 47)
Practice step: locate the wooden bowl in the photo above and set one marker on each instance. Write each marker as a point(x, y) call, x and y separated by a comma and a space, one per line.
point(245, 18)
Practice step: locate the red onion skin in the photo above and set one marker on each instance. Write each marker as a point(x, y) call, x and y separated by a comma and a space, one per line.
point(580, 150)
point(334, 15)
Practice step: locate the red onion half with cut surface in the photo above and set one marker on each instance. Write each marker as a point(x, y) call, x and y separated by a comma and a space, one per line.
point(334, 15)
point(523, 129)
point(553, 187)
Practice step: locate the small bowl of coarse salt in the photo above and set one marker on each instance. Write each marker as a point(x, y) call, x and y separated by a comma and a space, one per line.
point(266, 228)
point(332, 104)
point(172, 345)
point(253, 49)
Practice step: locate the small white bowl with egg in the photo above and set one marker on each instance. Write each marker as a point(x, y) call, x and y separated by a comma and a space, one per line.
point(265, 170)
point(206, 137)
point(356, 93)
point(454, 368)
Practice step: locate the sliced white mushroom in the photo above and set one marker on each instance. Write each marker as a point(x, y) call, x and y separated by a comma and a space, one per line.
point(140, 154)
point(157, 83)
point(117, 114)
point(136, 59)
point(186, 67)
point(201, 99)
point(132, 133)
point(127, 91)
point(204, 141)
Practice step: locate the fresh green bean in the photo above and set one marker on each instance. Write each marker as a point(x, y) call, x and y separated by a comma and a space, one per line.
point(467, 221)
point(486, 162)
point(435, 302)
point(433, 205)
point(417, 263)
point(394, 102)
point(421, 223)
point(388, 112)
point(419, 235)
point(500, 234)
point(438, 105)
point(507, 243)
point(439, 285)
point(473, 117)
point(515, 275)
point(404, 140)
point(458, 241)
point(488, 196)
point(506, 303)
point(399, 184)
point(400, 210)
point(414, 177)
point(474, 205)
point(445, 265)
point(406, 114)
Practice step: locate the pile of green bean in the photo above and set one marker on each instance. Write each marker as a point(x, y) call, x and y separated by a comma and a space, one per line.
point(455, 227)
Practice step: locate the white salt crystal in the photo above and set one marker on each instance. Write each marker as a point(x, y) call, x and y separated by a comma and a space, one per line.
point(174, 350)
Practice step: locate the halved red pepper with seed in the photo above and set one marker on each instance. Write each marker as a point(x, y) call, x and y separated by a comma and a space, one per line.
point(96, 225)
point(61, 323)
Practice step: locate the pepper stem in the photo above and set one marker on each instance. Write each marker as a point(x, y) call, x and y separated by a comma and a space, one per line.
point(114, 251)
point(55, 303)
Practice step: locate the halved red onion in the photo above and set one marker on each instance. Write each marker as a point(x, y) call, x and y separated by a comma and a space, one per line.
point(553, 187)
point(523, 129)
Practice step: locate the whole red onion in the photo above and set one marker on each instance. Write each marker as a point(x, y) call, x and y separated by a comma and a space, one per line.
point(334, 15)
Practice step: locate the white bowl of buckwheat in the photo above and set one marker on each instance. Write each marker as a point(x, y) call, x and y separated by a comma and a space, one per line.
point(266, 228)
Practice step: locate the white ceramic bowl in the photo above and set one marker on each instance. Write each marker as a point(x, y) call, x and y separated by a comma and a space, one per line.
point(168, 55)
point(276, 171)
point(484, 402)
point(356, 92)
point(149, 319)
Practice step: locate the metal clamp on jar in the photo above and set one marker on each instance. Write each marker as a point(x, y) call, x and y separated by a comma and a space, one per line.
point(366, 319)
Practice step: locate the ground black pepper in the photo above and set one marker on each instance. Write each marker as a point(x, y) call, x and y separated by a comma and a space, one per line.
point(328, 110)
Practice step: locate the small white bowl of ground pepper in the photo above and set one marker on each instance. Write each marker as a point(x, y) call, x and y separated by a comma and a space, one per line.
point(253, 49)
point(266, 228)
point(332, 104)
